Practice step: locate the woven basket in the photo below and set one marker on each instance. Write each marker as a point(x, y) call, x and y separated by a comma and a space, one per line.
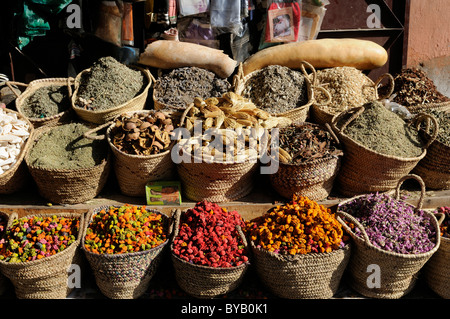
point(437, 269)
point(62, 117)
point(398, 272)
point(320, 115)
point(133, 172)
point(128, 275)
point(68, 186)
point(364, 170)
point(434, 168)
point(300, 114)
point(443, 106)
point(45, 278)
point(313, 179)
point(102, 116)
point(4, 281)
point(202, 281)
point(17, 176)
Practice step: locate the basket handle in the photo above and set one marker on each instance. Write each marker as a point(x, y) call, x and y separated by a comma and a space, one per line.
point(11, 83)
point(423, 117)
point(238, 77)
point(96, 129)
point(324, 91)
point(176, 216)
point(185, 113)
point(70, 82)
point(357, 112)
point(391, 85)
point(333, 135)
point(354, 221)
point(440, 217)
point(422, 188)
point(313, 71)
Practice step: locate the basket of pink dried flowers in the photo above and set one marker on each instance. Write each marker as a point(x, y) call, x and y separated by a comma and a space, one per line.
point(392, 241)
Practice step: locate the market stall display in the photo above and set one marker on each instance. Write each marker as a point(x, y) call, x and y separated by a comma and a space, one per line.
point(5, 221)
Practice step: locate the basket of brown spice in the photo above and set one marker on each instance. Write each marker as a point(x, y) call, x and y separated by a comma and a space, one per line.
point(110, 88)
point(279, 90)
point(141, 145)
point(46, 102)
point(379, 148)
point(309, 160)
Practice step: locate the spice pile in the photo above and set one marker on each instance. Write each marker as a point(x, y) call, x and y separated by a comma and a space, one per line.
point(304, 143)
point(125, 229)
point(445, 225)
point(142, 134)
point(208, 237)
point(384, 132)
point(392, 225)
point(31, 238)
point(179, 87)
point(276, 89)
point(301, 226)
point(413, 87)
point(3, 223)
point(108, 84)
point(65, 147)
point(47, 101)
point(348, 86)
point(13, 134)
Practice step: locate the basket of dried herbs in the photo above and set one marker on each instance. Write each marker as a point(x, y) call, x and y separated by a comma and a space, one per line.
point(5, 222)
point(392, 239)
point(379, 148)
point(279, 90)
point(309, 160)
point(46, 102)
point(434, 168)
point(141, 144)
point(299, 249)
point(348, 87)
point(177, 88)
point(67, 167)
point(437, 269)
point(109, 88)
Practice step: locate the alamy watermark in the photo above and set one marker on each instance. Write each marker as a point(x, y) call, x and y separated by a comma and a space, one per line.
point(374, 20)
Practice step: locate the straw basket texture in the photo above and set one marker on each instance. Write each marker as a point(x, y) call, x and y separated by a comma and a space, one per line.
point(202, 281)
point(133, 172)
point(398, 272)
point(9, 218)
point(17, 176)
point(300, 114)
point(127, 275)
point(364, 170)
point(102, 116)
point(68, 186)
point(443, 106)
point(320, 115)
point(45, 278)
point(313, 179)
point(309, 276)
point(62, 117)
point(434, 168)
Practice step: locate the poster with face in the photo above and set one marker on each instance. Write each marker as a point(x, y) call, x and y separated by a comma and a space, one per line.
point(281, 27)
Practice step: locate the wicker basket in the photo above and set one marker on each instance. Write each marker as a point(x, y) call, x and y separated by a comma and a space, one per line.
point(4, 281)
point(434, 168)
point(17, 176)
point(102, 116)
point(68, 186)
point(202, 281)
point(398, 272)
point(313, 179)
point(45, 278)
point(128, 275)
point(364, 170)
point(300, 114)
point(321, 116)
point(443, 106)
point(62, 117)
point(133, 172)
point(437, 269)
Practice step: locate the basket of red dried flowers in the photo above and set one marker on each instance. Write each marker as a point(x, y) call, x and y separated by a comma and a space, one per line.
point(392, 241)
point(209, 251)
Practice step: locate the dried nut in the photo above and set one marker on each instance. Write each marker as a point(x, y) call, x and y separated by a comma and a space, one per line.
point(160, 116)
point(129, 125)
point(284, 156)
point(145, 125)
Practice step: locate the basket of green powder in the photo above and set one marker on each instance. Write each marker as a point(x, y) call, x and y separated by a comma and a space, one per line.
point(67, 167)
point(46, 102)
point(109, 88)
point(379, 148)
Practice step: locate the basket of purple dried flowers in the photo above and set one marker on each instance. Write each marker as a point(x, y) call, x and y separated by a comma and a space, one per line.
point(392, 241)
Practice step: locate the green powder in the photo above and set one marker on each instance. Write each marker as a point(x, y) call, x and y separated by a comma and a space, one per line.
point(65, 147)
point(46, 101)
point(109, 84)
point(385, 132)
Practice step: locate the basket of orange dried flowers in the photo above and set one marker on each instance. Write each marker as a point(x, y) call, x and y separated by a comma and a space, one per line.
point(299, 249)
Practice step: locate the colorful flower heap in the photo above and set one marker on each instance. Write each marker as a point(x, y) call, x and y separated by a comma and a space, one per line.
point(445, 225)
point(301, 226)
